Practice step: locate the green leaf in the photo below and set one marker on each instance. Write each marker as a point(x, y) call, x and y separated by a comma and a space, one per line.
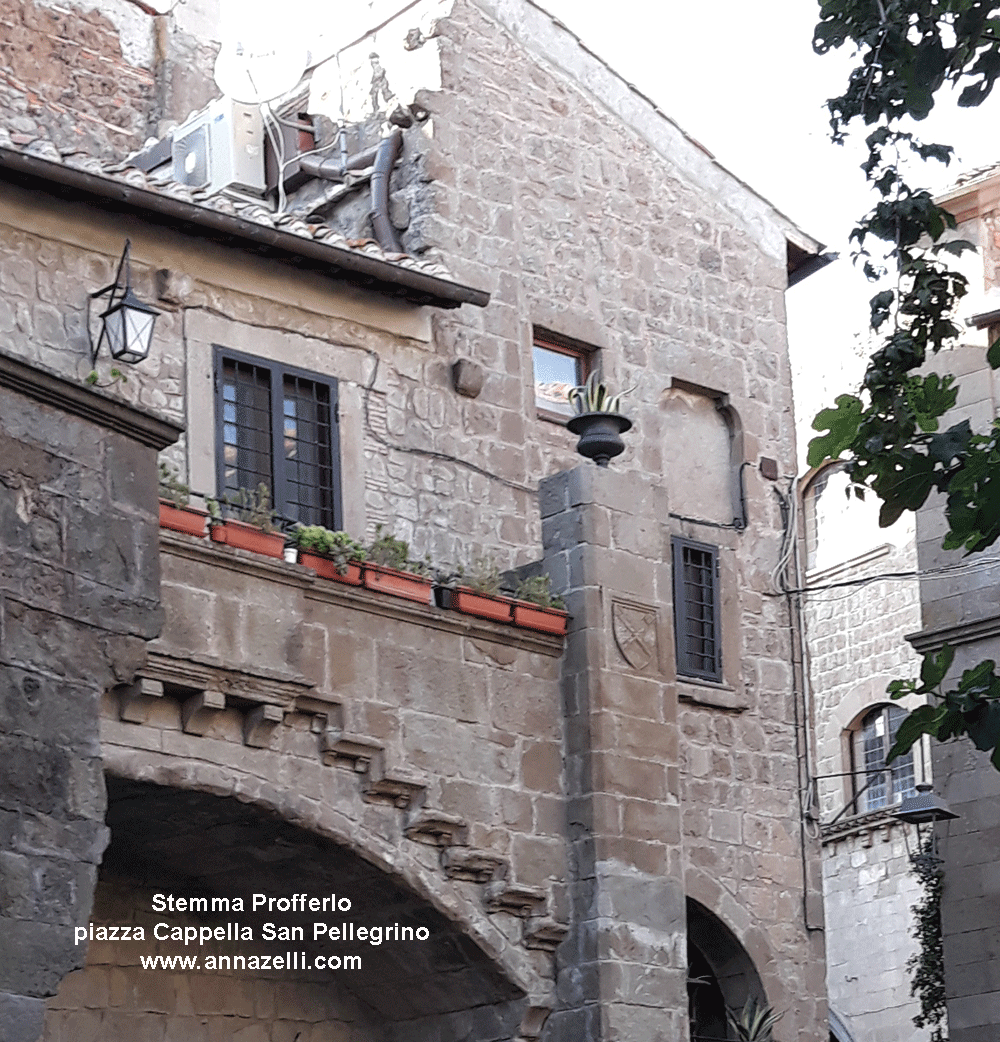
point(842, 423)
point(923, 720)
point(993, 354)
point(935, 667)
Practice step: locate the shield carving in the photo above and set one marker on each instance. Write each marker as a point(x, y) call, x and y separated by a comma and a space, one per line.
point(634, 629)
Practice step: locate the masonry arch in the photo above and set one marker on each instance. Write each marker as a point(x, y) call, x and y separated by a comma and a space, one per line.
point(187, 842)
point(721, 974)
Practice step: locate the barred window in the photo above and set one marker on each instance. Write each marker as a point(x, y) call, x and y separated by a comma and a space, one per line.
point(278, 425)
point(876, 785)
point(696, 609)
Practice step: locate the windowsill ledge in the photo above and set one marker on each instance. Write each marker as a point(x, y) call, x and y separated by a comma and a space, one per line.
point(707, 693)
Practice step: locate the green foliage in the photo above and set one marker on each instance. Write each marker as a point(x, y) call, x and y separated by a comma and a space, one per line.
point(926, 964)
point(395, 553)
point(538, 590)
point(889, 432)
point(171, 486)
point(754, 1023)
point(482, 576)
point(972, 707)
point(251, 506)
point(337, 545)
point(593, 396)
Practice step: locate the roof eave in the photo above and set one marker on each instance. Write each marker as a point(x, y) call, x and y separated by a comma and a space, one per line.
point(357, 268)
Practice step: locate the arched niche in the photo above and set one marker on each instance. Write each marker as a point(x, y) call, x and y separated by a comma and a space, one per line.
point(721, 975)
point(189, 843)
point(703, 454)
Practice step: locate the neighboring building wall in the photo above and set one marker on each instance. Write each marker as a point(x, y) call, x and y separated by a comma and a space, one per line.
point(859, 607)
point(960, 607)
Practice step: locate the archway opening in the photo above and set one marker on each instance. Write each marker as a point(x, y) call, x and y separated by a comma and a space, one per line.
point(240, 891)
point(721, 975)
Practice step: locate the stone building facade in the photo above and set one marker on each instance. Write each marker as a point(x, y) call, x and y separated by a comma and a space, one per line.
point(861, 601)
point(596, 836)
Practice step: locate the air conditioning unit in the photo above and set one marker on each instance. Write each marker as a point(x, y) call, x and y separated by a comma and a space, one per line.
point(221, 147)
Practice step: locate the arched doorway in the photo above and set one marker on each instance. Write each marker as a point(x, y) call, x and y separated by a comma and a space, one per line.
point(721, 975)
point(422, 978)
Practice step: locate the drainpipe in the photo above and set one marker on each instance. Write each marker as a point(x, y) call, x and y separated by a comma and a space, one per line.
point(388, 153)
point(384, 156)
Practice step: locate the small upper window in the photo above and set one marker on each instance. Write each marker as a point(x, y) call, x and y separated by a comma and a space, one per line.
point(696, 609)
point(876, 785)
point(559, 367)
point(278, 425)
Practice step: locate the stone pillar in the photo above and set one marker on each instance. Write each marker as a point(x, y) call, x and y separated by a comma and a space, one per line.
point(79, 597)
point(623, 970)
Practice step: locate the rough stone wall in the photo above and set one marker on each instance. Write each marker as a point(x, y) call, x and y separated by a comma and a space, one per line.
point(101, 77)
point(79, 596)
point(868, 891)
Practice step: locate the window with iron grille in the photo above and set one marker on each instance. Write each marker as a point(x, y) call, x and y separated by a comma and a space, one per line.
point(696, 609)
point(278, 425)
point(875, 784)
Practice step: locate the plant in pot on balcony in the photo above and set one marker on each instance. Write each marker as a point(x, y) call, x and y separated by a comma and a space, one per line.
point(598, 422)
point(389, 569)
point(538, 608)
point(175, 510)
point(332, 555)
point(245, 519)
point(475, 590)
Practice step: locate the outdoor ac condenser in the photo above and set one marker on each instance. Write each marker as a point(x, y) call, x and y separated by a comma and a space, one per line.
point(221, 147)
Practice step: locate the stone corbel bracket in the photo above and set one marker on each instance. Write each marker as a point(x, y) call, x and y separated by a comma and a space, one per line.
point(514, 898)
point(402, 789)
point(475, 866)
point(260, 724)
point(354, 752)
point(136, 699)
point(533, 1021)
point(435, 828)
point(544, 933)
point(199, 711)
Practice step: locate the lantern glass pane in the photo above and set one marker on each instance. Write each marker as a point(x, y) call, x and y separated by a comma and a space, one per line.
point(114, 330)
point(138, 331)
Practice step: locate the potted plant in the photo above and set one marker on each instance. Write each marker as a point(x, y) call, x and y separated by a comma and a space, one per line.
point(332, 555)
point(389, 569)
point(598, 422)
point(245, 520)
point(754, 1023)
point(478, 592)
point(176, 513)
point(537, 608)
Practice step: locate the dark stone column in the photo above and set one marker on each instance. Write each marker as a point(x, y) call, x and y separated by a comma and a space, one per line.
point(623, 969)
point(79, 597)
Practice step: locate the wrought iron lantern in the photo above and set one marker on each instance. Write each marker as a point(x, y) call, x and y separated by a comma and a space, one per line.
point(127, 324)
point(924, 810)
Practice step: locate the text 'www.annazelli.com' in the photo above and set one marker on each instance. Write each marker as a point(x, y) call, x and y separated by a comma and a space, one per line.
point(286, 961)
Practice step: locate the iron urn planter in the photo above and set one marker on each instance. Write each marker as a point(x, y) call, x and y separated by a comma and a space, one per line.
point(600, 435)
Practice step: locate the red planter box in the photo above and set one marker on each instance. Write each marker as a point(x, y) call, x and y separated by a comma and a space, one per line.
point(482, 605)
point(535, 617)
point(399, 584)
point(326, 568)
point(182, 519)
point(249, 537)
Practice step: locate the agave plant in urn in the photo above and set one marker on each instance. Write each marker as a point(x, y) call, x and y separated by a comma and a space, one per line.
point(597, 422)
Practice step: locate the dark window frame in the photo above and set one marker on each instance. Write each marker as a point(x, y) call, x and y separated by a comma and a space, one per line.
point(874, 785)
point(691, 663)
point(561, 345)
point(280, 484)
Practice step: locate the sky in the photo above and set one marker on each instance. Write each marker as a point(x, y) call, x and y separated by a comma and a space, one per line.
point(745, 82)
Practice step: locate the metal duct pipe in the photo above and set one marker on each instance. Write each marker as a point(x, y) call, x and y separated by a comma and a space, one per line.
point(385, 160)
